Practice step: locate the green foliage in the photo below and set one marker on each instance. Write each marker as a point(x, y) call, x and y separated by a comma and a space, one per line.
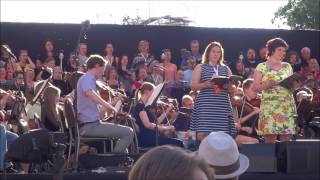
point(300, 14)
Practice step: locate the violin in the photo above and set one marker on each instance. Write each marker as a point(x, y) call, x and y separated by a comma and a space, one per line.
point(107, 93)
point(248, 106)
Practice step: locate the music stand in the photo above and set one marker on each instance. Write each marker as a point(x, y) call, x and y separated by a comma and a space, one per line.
point(151, 102)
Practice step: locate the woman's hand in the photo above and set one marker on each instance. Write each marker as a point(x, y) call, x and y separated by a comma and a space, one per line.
point(270, 84)
point(208, 84)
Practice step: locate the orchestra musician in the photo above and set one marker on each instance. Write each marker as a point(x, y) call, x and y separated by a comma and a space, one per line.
point(248, 115)
point(277, 111)
point(146, 121)
point(89, 105)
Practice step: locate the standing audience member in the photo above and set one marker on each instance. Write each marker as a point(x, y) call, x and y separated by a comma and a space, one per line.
point(170, 69)
point(109, 57)
point(144, 58)
point(82, 56)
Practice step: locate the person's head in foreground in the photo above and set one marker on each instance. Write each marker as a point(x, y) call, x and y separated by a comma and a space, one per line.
point(221, 153)
point(170, 163)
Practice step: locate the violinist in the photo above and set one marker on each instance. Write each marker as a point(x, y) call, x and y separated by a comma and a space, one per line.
point(89, 105)
point(248, 115)
point(146, 121)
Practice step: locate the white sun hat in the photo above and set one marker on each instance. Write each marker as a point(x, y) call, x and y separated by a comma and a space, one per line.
point(221, 153)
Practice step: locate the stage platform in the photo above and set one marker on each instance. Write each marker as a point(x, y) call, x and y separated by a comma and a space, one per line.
point(122, 175)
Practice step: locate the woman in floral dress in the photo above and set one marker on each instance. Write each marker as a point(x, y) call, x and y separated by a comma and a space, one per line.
point(277, 109)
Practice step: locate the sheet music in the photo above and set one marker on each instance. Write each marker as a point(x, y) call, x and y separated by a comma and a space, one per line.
point(156, 92)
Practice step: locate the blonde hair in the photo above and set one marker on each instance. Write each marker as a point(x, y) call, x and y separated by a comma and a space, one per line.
point(185, 99)
point(205, 56)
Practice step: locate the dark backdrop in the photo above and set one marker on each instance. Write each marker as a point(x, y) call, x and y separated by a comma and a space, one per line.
point(30, 36)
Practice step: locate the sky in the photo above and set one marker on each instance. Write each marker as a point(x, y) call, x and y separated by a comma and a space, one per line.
point(214, 13)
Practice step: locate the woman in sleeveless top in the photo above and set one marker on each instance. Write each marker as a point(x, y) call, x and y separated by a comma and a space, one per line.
point(277, 109)
point(212, 111)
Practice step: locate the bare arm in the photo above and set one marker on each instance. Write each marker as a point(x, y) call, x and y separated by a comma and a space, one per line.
point(97, 99)
point(32, 65)
point(146, 122)
point(196, 76)
point(259, 85)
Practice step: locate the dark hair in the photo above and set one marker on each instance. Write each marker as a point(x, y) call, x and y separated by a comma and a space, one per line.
point(168, 163)
point(289, 54)
point(205, 56)
point(194, 42)
point(95, 59)
point(246, 83)
point(146, 86)
point(274, 43)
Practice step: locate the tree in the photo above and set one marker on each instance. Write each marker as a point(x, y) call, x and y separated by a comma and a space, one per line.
point(299, 14)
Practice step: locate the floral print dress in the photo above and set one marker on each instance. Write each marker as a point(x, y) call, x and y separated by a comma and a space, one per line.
point(277, 109)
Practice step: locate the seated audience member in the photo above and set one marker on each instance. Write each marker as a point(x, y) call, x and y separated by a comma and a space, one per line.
point(4, 83)
point(312, 69)
point(156, 76)
point(170, 163)
point(305, 56)
point(263, 54)
point(221, 153)
point(141, 78)
point(48, 50)
point(294, 59)
point(143, 58)
point(124, 74)
point(18, 82)
point(187, 74)
point(146, 121)
point(25, 61)
point(240, 70)
point(111, 76)
point(178, 83)
point(50, 112)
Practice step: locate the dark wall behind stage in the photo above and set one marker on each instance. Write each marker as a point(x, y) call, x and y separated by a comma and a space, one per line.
point(30, 36)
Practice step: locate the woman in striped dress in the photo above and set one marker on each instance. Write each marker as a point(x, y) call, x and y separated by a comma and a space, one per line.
point(212, 111)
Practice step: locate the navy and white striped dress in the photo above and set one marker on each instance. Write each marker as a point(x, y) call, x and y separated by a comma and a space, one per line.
point(212, 112)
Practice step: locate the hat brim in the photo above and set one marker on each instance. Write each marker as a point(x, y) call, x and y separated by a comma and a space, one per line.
point(244, 165)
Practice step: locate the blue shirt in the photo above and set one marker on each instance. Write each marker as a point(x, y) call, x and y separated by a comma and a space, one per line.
point(197, 57)
point(187, 76)
point(88, 110)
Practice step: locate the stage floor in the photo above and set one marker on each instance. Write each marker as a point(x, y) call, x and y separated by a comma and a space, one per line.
point(122, 175)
